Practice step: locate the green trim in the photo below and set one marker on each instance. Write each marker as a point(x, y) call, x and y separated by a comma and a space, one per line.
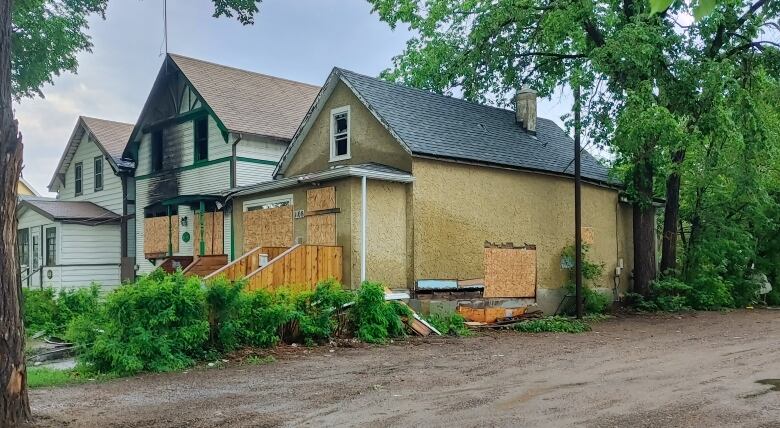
point(185, 168)
point(202, 228)
point(170, 233)
point(253, 160)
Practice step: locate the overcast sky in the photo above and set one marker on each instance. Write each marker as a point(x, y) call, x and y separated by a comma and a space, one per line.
point(295, 39)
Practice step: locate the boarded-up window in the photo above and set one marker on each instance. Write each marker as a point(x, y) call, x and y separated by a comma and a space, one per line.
point(510, 272)
point(156, 235)
point(271, 227)
point(588, 236)
point(214, 237)
point(321, 226)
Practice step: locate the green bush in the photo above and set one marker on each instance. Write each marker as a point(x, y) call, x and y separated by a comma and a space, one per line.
point(224, 299)
point(376, 320)
point(157, 324)
point(449, 324)
point(593, 301)
point(315, 311)
point(554, 324)
point(51, 313)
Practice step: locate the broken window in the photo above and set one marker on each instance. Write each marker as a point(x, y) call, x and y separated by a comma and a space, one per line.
point(98, 173)
point(201, 139)
point(339, 134)
point(79, 178)
point(157, 151)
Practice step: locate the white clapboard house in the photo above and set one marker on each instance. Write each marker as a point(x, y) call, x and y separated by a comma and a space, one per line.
point(76, 238)
point(204, 129)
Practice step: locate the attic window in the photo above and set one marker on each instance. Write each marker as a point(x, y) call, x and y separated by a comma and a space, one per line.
point(201, 139)
point(339, 134)
point(98, 171)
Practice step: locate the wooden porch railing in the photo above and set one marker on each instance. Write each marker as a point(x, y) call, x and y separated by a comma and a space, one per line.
point(246, 264)
point(299, 268)
point(170, 264)
point(204, 265)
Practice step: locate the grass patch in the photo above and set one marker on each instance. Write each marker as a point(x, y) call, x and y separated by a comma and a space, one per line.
point(43, 377)
point(256, 360)
point(451, 324)
point(555, 324)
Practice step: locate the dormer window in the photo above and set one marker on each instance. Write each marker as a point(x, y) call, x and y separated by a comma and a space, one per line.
point(339, 134)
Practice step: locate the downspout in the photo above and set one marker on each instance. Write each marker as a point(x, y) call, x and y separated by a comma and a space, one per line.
point(233, 166)
point(363, 226)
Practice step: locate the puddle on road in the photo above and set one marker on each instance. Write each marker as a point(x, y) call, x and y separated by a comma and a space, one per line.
point(774, 383)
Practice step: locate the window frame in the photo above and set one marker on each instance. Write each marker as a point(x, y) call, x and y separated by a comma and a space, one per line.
point(50, 256)
point(333, 113)
point(78, 179)
point(157, 150)
point(268, 203)
point(23, 241)
point(196, 155)
point(98, 160)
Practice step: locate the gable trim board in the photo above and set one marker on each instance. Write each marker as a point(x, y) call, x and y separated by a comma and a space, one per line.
point(506, 133)
point(73, 142)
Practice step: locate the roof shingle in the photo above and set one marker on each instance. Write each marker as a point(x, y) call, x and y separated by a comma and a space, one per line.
point(83, 211)
point(249, 102)
point(441, 126)
point(113, 136)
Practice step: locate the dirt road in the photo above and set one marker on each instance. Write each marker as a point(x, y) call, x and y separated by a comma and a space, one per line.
point(693, 370)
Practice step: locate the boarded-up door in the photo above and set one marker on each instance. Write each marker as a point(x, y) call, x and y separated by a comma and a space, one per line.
point(510, 272)
point(270, 227)
point(213, 236)
point(321, 216)
point(156, 236)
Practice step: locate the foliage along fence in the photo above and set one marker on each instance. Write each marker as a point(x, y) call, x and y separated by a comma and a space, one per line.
point(299, 268)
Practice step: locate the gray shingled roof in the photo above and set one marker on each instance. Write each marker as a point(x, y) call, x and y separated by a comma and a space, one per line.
point(445, 127)
point(79, 211)
point(113, 136)
point(249, 102)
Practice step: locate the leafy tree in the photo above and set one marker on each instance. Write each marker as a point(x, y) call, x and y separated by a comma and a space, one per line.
point(650, 83)
point(39, 39)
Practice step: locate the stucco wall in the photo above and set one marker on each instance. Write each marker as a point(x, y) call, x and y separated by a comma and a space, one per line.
point(369, 140)
point(386, 237)
point(458, 207)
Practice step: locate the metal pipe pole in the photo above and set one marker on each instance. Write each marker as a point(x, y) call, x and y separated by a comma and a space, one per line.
point(363, 218)
point(577, 204)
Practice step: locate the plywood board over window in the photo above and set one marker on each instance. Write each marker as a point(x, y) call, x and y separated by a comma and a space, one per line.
point(321, 227)
point(156, 235)
point(271, 227)
point(510, 272)
point(588, 236)
point(214, 233)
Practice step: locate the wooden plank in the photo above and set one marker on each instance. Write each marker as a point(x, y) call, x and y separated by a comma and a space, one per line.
point(271, 227)
point(156, 234)
point(321, 230)
point(510, 272)
point(321, 199)
point(213, 237)
point(588, 235)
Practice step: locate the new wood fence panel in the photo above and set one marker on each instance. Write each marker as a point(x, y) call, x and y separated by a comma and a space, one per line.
point(301, 268)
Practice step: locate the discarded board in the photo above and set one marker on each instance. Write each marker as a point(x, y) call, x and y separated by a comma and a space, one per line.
point(488, 315)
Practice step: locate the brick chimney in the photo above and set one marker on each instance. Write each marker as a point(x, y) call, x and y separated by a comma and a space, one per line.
point(525, 109)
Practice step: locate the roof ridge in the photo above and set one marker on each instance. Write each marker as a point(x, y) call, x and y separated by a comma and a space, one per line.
point(242, 70)
point(462, 100)
point(105, 120)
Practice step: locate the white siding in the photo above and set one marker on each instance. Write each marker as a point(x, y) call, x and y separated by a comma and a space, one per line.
point(89, 245)
point(267, 151)
point(228, 230)
point(31, 218)
point(72, 277)
point(110, 197)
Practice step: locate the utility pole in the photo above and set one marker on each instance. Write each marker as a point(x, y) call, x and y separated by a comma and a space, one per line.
point(577, 203)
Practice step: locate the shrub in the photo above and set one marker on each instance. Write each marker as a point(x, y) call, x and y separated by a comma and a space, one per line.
point(554, 324)
point(593, 301)
point(315, 311)
point(449, 324)
point(157, 324)
point(376, 320)
point(224, 299)
point(51, 313)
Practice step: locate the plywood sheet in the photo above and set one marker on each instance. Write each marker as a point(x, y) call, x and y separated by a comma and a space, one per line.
point(588, 236)
point(272, 227)
point(214, 233)
point(321, 229)
point(321, 199)
point(156, 234)
point(510, 272)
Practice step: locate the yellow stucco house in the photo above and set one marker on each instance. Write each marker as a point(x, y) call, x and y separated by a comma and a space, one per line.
point(23, 188)
point(415, 186)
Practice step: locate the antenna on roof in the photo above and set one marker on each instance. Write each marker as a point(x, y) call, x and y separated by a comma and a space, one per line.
point(165, 24)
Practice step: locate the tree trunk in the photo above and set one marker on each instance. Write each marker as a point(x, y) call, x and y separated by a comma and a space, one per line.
point(671, 217)
point(14, 404)
point(644, 229)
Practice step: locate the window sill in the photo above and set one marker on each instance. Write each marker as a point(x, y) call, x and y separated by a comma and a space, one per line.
point(340, 158)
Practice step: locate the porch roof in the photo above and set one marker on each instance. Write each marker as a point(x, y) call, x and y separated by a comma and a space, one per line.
point(83, 212)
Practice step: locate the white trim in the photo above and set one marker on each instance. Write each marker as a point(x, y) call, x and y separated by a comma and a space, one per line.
point(272, 200)
point(333, 112)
